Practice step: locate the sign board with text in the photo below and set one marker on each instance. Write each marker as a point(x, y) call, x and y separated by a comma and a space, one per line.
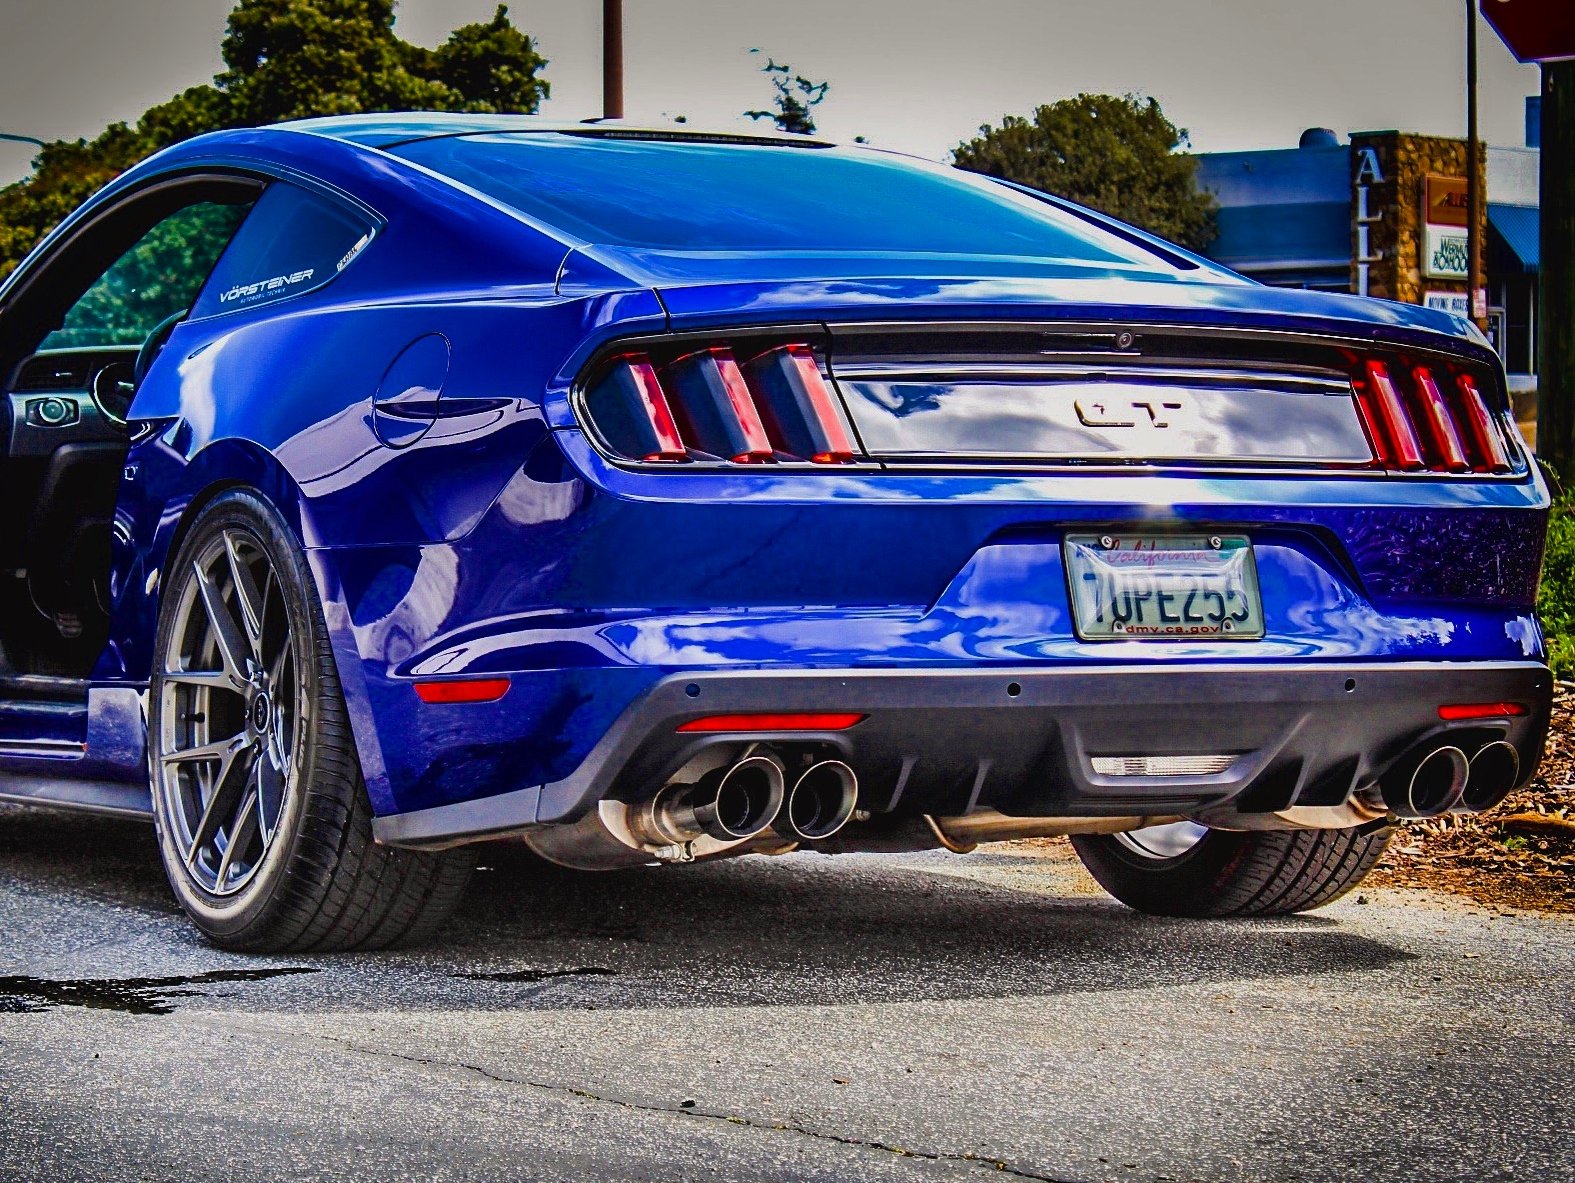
point(1445, 253)
point(1444, 199)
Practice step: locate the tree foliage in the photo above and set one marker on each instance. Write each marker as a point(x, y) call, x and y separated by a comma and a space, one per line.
point(1115, 154)
point(795, 98)
point(288, 59)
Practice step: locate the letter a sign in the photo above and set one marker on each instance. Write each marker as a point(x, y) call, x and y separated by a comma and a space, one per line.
point(1534, 30)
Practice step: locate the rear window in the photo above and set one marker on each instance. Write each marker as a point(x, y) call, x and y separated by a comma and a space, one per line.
point(675, 196)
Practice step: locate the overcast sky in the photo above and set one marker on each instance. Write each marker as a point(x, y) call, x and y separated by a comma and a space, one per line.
point(917, 75)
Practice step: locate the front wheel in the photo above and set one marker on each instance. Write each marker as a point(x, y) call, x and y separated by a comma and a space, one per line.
point(263, 821)
point(1185, 869)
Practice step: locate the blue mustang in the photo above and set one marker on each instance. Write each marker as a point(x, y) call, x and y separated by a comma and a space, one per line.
point(390, 483)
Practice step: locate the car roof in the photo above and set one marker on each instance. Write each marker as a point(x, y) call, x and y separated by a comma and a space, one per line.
point(384, 130)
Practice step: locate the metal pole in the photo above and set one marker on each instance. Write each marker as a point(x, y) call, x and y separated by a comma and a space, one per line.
point(5, 135)
point(612, 59)
point(1474, 276)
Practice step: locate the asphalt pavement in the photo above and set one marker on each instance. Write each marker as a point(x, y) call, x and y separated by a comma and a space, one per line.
point(923, 1017)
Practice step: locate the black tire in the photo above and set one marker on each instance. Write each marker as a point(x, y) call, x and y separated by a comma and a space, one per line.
point(311, 879)
point(1228, 873)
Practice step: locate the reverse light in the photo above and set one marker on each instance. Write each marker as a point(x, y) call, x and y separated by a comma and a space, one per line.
point(462, 690)
point(1457, 712)
point(774, 721)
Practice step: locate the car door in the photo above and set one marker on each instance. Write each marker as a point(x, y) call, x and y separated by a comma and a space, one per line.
point(73, 325)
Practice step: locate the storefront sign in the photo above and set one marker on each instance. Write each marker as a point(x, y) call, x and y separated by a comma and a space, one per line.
point(1445, 253)
point(1454, 303)
point(1368, 174)
point(1444, 199)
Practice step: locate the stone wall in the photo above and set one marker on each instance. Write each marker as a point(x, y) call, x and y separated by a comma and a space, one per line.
point(1394, 208)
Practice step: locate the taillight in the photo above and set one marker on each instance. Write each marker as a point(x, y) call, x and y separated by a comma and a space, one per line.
point(1417, 424)
point(704, 405)
point(801, 412)
point(631, 411)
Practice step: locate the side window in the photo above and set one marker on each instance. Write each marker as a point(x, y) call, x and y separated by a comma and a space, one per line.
point(159, 276)
point(293, 241)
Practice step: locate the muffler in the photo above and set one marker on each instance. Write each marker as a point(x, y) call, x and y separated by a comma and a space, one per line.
point(1428, 786)
point(730, 803)
point(819, 804)
point(1493, 772)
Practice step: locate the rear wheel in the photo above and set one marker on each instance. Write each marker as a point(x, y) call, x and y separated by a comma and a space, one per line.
point(1185, 869)
point(264, 824)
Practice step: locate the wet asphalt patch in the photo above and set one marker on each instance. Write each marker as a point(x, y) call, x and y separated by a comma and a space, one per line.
point(133, 996)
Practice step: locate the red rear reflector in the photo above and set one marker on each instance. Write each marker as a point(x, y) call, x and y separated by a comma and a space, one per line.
point(670, 445)
point(1403, 449)
point(838, 449)
point(777, 721)
point(757, 448)
point(450, 690)
point(1437, 423)
point(1480, 428)
point(1481, 710)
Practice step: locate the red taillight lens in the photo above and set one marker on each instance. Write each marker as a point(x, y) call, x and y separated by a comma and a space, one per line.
point(800, 410)
point(775, 721)
point(1486, 444)
point(631, 411)
point(1456, 712)
point(1387, 414)
point(704, 405)
point(1437, 426)
point(1416, 424)
point(457, 690)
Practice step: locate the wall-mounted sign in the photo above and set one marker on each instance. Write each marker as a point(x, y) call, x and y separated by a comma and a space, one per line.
point(1368, 173)
point(1445, 253)
point(1444, 201)
point(1454, 303)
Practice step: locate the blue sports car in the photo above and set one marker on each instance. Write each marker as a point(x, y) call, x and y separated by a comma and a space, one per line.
point(390, 483)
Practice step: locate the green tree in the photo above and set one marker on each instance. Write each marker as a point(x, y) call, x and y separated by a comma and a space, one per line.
point(1115, 154)
point(795, 99)
point(288, 59)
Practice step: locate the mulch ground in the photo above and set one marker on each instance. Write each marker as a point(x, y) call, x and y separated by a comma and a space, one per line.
point(1520, 854)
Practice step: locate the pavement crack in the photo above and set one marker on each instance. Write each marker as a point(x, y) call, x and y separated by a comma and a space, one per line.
point(999, 1166)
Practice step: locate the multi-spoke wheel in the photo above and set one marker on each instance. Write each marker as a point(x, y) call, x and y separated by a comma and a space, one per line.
point(226, 742)
point(1184, 869)
point(263, 819)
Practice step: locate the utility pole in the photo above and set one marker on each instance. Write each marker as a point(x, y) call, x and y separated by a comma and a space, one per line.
point(1556, 314)
point(1475, 279)
point(612, 59)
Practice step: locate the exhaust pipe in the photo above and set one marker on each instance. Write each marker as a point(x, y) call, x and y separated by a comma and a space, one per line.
point(1493, 772)
point(1429, 786)
point(730, 804)
point(819, 804)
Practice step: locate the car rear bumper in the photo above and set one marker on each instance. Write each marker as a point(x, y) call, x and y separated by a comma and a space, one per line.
point(1024, 741)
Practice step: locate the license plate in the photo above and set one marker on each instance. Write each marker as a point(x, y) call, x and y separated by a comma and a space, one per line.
point(1137, 587)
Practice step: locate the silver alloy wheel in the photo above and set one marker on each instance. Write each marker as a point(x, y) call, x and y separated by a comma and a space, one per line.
point(229, 713)
point(1162, 842)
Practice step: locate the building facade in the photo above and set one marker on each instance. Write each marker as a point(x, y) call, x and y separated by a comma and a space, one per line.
point(1384, 215)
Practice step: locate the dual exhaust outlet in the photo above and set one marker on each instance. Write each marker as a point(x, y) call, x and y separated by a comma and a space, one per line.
point(1430, 781)
point(744, 799)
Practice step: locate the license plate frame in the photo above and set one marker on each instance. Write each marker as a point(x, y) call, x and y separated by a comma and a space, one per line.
point(1151, 586)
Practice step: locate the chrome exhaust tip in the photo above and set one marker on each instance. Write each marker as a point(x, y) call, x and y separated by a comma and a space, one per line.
point(1493, 772)
point(733, 803)
point(820, 802)
point(1433, 786)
